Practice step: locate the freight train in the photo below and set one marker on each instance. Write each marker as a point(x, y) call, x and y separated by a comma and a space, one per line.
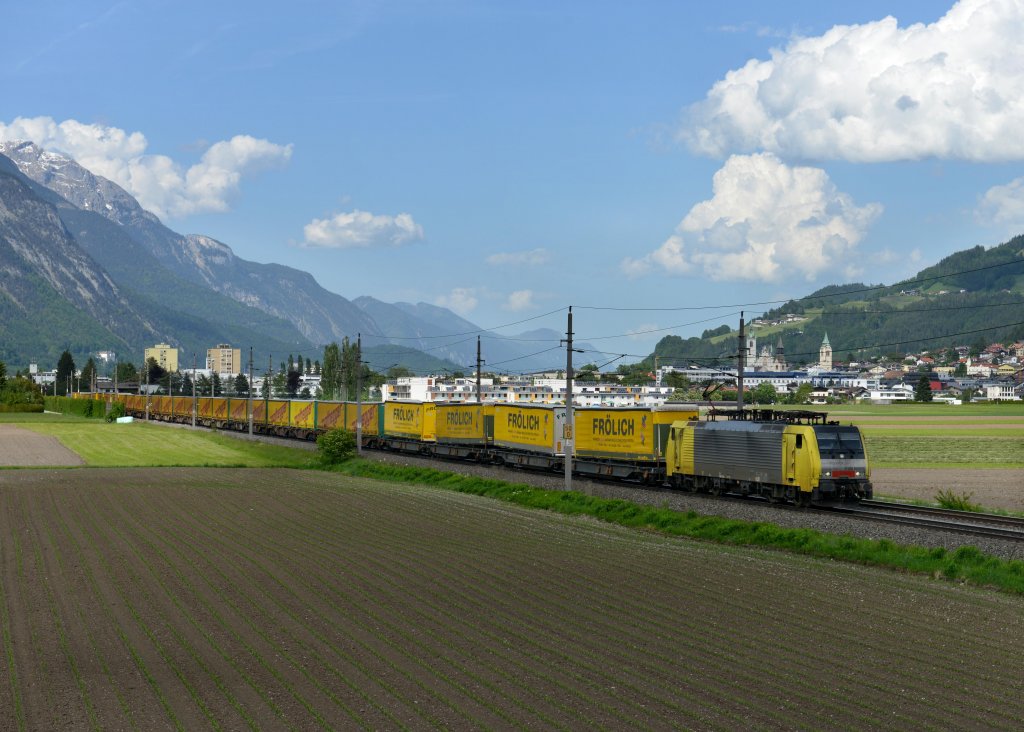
point(790, 456)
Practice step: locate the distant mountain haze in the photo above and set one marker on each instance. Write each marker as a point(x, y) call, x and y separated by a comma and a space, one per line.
point(107, 274)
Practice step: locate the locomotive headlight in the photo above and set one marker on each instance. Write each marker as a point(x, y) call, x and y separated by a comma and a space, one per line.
point(828, 473)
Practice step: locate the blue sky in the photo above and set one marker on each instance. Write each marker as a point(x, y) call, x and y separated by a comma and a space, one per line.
point(509, 159)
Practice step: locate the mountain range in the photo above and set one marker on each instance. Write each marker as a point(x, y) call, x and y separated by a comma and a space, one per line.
point(84, 267)
point(87, 268)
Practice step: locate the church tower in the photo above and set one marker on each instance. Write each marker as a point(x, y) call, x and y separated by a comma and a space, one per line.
point(825, 355)
point(780, 356)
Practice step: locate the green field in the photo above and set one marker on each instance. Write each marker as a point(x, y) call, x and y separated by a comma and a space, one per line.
point(148, 445)
point(917, 409)
point(925, 449)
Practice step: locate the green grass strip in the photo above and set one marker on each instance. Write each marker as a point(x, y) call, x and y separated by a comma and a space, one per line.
point(966, 564)
point(152, 445)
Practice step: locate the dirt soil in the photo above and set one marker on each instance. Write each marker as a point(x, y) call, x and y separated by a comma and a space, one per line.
point(265, 599)
point(25, 448)
point(993, 488)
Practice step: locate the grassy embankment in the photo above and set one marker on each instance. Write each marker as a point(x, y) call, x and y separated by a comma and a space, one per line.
point(141, 445)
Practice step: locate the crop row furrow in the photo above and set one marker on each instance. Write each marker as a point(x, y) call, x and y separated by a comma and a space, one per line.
point(40, 700)
point(855, 680)
point(513, 621)
point(422, 621)
point(185, 611)
point(489, 604)
point(121, 575)
point(225, 585)
point(542, 611)
point(73, 584)
point(643, 637)
point(11, 699)
point(474, 689)
point(248, 645)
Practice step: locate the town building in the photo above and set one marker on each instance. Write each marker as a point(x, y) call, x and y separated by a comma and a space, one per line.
point(825, 355)
point(768, 359)
point(165, 356)
point(540, 391)
point(224, 359)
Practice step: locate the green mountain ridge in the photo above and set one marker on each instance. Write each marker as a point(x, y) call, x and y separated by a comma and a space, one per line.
point(970, 298)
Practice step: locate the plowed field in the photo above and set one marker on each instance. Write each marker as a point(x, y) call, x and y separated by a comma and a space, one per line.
point(276, 599)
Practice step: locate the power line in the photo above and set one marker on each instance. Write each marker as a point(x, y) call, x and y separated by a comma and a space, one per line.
point(468, 332)
point(919, 310)
point(657, 330)
point(873, 288)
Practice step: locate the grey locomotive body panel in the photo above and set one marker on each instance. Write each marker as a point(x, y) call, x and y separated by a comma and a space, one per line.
point(739, 450)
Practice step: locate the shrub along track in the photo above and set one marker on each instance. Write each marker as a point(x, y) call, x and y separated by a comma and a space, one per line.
point(209, 598)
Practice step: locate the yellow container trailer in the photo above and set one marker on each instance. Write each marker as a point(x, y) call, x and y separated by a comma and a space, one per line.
point(409, 426)
point(625, 442)
point(464, 430)
point(530, 435)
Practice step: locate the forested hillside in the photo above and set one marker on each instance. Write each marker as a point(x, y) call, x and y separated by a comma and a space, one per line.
point(970, 298)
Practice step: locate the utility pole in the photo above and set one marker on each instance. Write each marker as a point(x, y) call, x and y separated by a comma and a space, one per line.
point(266, 408)
point(359, 393)
point(740, 359)
point(479, 367)
point(147, 391)
point(195, 404)
point(250, 391)
point(568, 437)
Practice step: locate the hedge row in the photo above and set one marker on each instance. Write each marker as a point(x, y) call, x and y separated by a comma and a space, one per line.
point(21, 408)
point(95, 408)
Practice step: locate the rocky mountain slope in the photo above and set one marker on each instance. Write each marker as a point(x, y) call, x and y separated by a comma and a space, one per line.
point(192, 290)
point(285, 292)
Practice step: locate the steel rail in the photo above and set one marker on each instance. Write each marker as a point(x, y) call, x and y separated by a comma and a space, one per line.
point(907, 518)
point(935, 511)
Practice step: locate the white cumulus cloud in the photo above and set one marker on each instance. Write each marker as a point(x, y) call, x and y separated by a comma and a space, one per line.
point(360, 229)
point(1003, 204)
point(878, 92)
point(519, 300)
point(529, 258)
point(160, 184)
point(767, 221)
point(462, 300)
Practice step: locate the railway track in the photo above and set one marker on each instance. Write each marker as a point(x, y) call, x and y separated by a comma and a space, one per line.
point(963, 522)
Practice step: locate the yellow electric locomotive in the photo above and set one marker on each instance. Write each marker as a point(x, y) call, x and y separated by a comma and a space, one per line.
point(783, 456)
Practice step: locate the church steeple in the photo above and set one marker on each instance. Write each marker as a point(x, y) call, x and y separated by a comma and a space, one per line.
point(825, 354)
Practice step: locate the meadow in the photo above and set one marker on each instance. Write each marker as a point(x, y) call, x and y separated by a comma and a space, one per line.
point(139, 444)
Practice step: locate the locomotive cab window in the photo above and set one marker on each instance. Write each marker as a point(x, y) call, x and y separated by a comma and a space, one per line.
point(839, 442)
point(799, 441)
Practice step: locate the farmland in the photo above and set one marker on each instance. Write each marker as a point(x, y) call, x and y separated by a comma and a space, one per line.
point(140, 444)
point(250, 598)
